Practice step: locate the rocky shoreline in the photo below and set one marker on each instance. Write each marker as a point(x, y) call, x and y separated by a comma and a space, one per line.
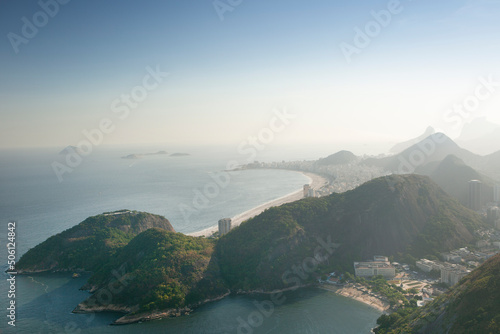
point(160, 314)
point(130, 317)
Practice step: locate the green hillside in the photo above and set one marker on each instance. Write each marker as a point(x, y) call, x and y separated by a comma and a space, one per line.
point(157, 270)
point(407, 217)
point(89, 244)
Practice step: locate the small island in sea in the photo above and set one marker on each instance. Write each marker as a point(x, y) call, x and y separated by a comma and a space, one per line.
point(142, 155)
point(180, 154)
point(138, 155)
point(69, 150)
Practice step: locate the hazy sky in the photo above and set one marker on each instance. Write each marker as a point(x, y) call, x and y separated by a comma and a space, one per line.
point(226, 76)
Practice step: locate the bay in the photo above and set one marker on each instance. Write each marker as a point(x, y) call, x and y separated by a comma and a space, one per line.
point(193, 192)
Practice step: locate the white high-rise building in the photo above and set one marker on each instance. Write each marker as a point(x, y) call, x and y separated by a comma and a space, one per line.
point(475, 198)
point(307, 187)
point(496, 193)
point(224, 226)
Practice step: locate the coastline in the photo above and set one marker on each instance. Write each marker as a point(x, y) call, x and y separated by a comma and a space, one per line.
point(352, 291)
point(316, 181)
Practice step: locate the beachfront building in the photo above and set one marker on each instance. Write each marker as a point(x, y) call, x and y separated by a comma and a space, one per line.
point(224, 226)
point(307, 187)
point(379, 266)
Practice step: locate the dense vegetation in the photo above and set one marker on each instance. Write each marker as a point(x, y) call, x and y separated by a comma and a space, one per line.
point(141, 265)
point(89, 245)
point(472, 306)
point(402, 216)
point(252, 255)
point(158, 270)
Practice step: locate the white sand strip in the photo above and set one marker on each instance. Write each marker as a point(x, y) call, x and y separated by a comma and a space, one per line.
point(315, 181)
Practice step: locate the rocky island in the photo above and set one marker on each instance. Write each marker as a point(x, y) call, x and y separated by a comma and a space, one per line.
point(180, 154)
point(138, 155)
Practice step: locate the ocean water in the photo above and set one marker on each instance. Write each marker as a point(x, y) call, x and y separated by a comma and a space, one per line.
point(193, 192)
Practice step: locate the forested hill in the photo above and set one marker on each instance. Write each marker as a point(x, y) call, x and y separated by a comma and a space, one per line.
point(89, 244)
point(157, 270)
point(404, 216)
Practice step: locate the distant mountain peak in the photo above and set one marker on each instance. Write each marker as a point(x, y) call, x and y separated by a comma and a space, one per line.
point(477, 128)
point(398, 148)
point(340, 158)
point(480, 136)
point(432, 148)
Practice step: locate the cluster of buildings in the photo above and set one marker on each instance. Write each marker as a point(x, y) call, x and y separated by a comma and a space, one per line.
point(476, 200)
point(450, 273)
point(380, 265)
point(342, 177)
point(453, 268)
point(456, 263)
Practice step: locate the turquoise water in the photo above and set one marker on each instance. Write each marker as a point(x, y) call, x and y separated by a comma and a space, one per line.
point(31, 195)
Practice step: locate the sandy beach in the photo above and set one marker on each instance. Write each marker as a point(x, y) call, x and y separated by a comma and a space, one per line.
point(316, 182)
point(353, 291)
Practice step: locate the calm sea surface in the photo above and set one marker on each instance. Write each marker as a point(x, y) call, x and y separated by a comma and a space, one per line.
point(193, 192)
